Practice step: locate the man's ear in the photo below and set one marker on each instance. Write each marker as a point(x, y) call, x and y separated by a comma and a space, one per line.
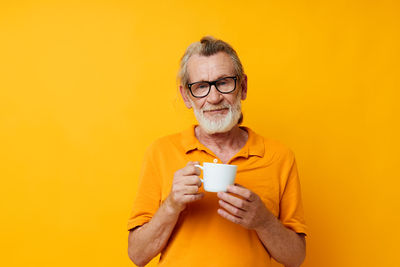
point(185, 96)
point(243, 85)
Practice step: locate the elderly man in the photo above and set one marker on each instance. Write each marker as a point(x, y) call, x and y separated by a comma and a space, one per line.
point(259, 217)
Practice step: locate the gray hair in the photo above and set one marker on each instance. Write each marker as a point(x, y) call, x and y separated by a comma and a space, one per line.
point(208, 46)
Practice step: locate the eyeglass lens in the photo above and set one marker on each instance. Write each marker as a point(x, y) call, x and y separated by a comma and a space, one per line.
point(224, 85)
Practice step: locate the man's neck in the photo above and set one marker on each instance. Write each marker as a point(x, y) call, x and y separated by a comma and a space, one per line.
point(232, 140)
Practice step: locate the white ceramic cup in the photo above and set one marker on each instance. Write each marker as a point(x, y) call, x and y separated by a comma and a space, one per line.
point(217, 177)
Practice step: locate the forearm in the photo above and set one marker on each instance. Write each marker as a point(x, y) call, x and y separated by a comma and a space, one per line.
point(148, 240)
point(284, 245)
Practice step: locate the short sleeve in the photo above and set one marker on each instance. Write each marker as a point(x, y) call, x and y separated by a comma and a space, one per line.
point(148, 196)
point(291, 207)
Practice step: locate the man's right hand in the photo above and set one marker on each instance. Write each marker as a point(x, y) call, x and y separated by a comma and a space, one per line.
point(148, 240)
point(185, 187)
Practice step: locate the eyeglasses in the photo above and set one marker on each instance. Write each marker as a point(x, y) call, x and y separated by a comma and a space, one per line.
point(224, 85)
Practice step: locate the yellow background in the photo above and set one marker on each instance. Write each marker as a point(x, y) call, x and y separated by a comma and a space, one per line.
point(86, 86)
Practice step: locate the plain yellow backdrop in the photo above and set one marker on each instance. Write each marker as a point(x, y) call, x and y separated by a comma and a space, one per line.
point(86, 86)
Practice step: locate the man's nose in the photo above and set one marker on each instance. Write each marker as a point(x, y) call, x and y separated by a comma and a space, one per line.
point(214, 96)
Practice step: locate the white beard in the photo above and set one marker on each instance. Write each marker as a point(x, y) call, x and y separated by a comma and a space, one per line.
point(219, 123)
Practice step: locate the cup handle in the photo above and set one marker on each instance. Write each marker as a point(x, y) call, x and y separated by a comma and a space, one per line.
point(202, 168)
point(199, 166)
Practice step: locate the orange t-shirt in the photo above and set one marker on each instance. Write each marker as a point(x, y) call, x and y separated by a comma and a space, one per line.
point(201, 237)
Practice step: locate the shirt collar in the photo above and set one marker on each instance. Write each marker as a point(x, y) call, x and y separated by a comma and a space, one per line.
point(189, 140)
point(253, 147)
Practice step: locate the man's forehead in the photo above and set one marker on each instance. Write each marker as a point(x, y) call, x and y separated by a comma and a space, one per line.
point(210, 67)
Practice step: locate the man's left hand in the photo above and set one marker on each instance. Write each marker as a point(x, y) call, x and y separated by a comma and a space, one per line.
point(250, 212)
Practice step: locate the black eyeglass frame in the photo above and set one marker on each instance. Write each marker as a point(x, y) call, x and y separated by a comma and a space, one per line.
point(211, 84)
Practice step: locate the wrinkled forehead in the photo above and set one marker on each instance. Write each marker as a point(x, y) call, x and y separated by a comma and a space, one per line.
point(209, 68)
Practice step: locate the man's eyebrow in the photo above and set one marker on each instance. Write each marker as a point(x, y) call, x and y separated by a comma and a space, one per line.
point(218, 77)
point(224, 76)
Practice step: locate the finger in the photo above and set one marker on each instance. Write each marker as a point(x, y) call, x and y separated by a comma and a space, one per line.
point(241, 191)
point(229, 217)
point(192, 163)
point(191, 180)
point(198, 171)
point(234, 201)
point(190, 169)
point(231, 209)
point(190, 190)
point(192, 198)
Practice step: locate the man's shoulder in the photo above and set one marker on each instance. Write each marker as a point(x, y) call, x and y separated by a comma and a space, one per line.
point(276, 145)
point(167, 142)
point(274, 148)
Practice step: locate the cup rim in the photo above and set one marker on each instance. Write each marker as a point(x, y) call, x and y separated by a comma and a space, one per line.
point(212, 163)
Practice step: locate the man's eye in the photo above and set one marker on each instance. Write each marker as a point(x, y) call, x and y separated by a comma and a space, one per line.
point(203, 86)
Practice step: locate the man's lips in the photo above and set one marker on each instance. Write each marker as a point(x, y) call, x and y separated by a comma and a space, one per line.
point(216, 110)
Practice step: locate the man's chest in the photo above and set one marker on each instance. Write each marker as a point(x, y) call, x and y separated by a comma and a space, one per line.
point(263, 178)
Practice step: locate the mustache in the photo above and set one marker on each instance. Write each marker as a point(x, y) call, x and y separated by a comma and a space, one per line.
point(215, 107)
